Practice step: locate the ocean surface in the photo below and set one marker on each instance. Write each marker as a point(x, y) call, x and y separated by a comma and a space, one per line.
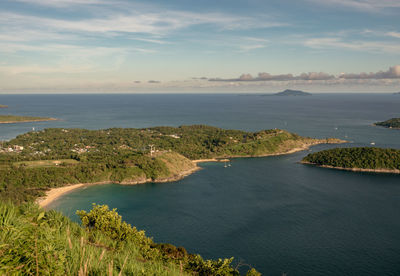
point(272, 213)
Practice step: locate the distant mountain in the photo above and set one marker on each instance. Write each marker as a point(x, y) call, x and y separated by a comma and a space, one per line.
point(289, 92)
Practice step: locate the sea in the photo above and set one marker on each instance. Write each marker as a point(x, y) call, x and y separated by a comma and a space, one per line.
point(270, 213)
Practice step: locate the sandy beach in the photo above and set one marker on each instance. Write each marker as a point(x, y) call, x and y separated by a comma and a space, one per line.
point(54, 193)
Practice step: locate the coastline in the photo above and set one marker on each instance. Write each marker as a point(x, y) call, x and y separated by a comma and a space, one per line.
point(29, 121)
point(394, 171)
point(54, 193)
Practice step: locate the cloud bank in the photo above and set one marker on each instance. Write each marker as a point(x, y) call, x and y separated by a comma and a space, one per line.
point(391, 73)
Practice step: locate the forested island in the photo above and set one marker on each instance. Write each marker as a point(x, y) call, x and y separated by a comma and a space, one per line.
point(368, 159)
point(391, 123)
point(289, 92)
point(11, 119)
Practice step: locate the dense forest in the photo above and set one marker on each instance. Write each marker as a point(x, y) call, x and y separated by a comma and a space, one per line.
point(36, 161)
point(362, 158)
point(391, 123)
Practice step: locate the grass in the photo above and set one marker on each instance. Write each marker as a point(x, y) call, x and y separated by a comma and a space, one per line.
point(47, 163)
point(33, 242)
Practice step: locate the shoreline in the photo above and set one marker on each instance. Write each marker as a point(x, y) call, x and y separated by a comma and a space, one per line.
point(54, 193)
point(393, 171)
point(30, 121)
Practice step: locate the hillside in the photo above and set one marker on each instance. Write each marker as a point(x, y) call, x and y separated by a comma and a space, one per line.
point(33, 162)
point(34, 242)
point(357, 159)
point(391, 123)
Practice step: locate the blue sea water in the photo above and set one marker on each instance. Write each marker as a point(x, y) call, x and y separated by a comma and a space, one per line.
point(272, 213)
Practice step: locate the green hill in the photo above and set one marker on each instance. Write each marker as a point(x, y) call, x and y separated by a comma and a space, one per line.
point(392, 123)
point(36, 161)
point(363, 158)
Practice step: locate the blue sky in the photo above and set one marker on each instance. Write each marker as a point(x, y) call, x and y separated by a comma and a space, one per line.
point(199, 46)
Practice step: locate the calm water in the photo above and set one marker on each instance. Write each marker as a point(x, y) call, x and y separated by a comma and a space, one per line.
point(272, 213)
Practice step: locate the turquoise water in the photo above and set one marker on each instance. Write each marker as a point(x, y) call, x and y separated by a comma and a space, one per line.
point(273, 213)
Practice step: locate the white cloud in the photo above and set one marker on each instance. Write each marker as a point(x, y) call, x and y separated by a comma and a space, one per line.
point(355, 45)
point(61, 3)
point(361, 5)
point(393, 34)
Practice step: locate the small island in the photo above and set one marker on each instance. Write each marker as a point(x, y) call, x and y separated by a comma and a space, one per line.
point(363, 159)
point(12, 119)
point(3, 106)
point(391, 123)
point(397, 93)
point(289, 92)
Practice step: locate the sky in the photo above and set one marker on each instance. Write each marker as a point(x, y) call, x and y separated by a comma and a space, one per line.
point(62, 46)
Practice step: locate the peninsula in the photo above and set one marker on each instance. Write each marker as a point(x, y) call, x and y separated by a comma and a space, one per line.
point(391, 123)
point(289, 92)
point(363, 159)
point(12, 119)
point(34, 162)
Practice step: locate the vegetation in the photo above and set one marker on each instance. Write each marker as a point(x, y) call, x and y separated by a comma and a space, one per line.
point(36, 161)
point(359, 158)
point(6, 119)
point(3, 106)
point(34, 242)
point(392, 123)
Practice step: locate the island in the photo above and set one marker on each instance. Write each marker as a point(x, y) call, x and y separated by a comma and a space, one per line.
point(391, 123)
point(363, 159)
point(397, 93)
point(3, 106)
point(56, 160)
point(289, 92)
point(12, 119)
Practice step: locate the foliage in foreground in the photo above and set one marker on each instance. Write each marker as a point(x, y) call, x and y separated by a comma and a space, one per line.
point(34, 242)
point(362, 157)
